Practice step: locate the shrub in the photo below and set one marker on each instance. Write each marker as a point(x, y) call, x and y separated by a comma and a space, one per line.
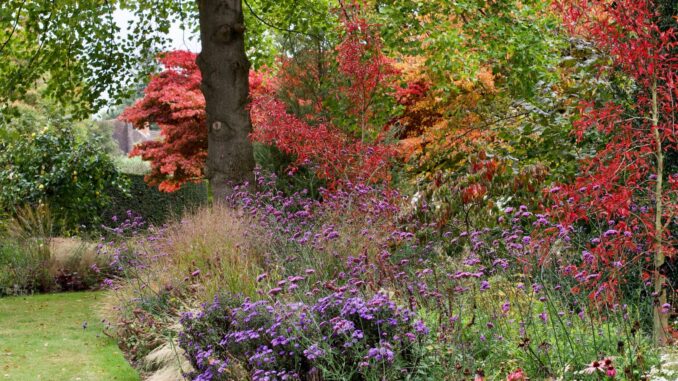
point(52, 167)
point(154, 206)
point(32, 260)
point(24, 268)
point(25, 252)
point(131, 165)
point(76, 265)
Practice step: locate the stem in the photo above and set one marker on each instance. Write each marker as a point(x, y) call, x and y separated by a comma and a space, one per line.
point(659, 320)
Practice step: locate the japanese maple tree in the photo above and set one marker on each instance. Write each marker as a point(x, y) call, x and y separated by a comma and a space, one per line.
point(624, 189)
point(173, 101)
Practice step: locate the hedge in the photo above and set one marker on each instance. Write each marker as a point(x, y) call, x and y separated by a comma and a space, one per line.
point(154, 206)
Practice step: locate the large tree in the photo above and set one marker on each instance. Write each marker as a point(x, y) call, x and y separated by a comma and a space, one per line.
point(75, 46)
point(225, 85)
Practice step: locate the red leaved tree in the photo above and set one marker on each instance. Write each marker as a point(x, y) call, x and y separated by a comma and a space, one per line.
point(173, 101)
point(625, 185)
point(362, 63)
point(335, 156)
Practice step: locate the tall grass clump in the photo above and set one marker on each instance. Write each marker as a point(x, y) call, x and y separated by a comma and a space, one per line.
point(25, 257)
point(172, 268)
point(33, 259)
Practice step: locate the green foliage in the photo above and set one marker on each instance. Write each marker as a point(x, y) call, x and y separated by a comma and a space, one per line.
point(131, 165)
point(516, 38)
point(77, 47)
point(73, 46)
point(286, 26)
point(36, 110)
point(154, 206)
point(53, 167)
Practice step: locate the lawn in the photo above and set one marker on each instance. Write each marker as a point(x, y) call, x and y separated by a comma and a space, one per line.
point(42, 338)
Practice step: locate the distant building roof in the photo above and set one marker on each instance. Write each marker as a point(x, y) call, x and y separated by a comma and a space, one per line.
point(127, 136)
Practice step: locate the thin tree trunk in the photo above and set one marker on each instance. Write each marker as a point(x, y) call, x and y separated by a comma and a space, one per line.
point(660, 320)
point(225, 85)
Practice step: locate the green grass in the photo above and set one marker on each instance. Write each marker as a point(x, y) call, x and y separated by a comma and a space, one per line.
point(42, 338)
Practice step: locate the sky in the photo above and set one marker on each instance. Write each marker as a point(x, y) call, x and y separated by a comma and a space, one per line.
point(179, 39)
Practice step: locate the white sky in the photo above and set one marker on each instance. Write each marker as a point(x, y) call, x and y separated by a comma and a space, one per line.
point(179, 39)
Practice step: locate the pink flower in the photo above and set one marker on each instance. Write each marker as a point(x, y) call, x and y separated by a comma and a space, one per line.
point(611, 372)
point(593, 367)
point(666, 308)
point(518, 375)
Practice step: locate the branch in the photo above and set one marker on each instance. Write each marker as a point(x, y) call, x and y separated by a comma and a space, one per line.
point(16, 23)
point(270, 25)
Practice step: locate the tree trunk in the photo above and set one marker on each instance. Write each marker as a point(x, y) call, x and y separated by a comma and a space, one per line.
point(225, 85)
point(660, 320)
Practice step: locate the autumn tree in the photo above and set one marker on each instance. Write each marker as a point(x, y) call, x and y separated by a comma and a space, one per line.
point(172, 101)
point(625, 184)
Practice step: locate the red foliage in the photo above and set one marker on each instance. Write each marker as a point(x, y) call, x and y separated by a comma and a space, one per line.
point(173, 101)
point(334, 155)
point(362, 62)
point(615, 191)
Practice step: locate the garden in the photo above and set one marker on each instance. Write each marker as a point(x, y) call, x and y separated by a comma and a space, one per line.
point(321, 190)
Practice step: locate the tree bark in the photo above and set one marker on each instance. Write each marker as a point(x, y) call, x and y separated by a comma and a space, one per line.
point(225, 85)
point(660, 320)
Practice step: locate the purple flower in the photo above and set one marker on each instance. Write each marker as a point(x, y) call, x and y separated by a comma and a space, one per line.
point(313, 352)
point(587, 257)
point(275, 291)
point(666, 308)
point(421, 328)
point(381, 353)
point(342, 326)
